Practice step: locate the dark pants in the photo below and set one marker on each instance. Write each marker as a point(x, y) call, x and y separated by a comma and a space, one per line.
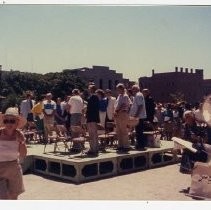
point(67, 117)
point(140, 137)
point(150, 118)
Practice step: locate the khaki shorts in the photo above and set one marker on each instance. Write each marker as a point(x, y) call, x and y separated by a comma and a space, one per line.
point(11, 174)
point(75, 119)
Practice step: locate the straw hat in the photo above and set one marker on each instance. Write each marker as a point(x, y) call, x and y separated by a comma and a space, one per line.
point(12, 111)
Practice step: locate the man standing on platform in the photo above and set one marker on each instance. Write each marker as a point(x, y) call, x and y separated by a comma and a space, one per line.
point(149, 104)
point(26, 108)
point(121, 116)
point(92, 116)
point(49, 109)
point(76, 106)
point(138, 110)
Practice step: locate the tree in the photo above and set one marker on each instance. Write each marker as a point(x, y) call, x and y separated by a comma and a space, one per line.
point(15, 83)
point(177, 97)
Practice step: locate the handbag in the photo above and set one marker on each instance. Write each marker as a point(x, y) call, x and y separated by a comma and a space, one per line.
point(201, 180)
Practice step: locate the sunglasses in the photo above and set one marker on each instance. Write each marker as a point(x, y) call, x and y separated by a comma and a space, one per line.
point(9, 121)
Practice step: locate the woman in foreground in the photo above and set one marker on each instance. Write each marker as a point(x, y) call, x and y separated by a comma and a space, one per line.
point(12, 149)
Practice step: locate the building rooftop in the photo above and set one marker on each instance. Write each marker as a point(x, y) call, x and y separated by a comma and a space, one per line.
point(180, 70)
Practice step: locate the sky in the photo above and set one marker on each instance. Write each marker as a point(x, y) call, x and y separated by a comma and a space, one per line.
point(132, 40)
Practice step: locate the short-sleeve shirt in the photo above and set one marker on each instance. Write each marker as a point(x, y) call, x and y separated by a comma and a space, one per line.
point(138, 101)
point(37, 108)
point(49, 107)
point(76, 104)
point(122, 103)
point(103, 104)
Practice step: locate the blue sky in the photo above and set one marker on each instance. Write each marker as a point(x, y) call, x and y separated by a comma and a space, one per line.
point(132, 40)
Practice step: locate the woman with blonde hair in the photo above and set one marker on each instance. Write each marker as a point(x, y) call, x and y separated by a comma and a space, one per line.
point(12, 149)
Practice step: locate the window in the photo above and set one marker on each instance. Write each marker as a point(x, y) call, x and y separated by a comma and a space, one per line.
point(101, 84)
point(110, 84)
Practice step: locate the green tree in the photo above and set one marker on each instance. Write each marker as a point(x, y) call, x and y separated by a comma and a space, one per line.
point(15, 83)
point(177, 97)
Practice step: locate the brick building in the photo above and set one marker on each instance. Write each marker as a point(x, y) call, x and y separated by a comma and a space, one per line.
point(207, 86)
point(186, 81)
point(102, 76)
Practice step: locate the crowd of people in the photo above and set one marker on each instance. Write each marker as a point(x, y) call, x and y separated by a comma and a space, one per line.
point(101, 107)
point(119, 107)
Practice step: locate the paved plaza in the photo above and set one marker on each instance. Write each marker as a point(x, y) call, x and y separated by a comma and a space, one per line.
point(163, 184)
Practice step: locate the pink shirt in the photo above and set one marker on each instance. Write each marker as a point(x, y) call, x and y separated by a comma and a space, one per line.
point(9, 149)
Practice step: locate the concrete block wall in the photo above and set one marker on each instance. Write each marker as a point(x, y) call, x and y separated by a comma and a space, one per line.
point(160, 158)
point(132, 162)
point(75, 171)
point(97, 168)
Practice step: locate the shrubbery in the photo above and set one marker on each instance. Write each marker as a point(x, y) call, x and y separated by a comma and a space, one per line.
point(15, 83)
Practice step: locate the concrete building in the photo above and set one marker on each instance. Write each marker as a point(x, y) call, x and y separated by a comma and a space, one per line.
point(207, 87)
point(190, 83)
point(102, 76)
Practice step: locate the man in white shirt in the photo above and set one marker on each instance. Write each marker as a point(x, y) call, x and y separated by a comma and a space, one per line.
point(138, 110)
point(49, 108)
point(110, 107)
point(76, 107)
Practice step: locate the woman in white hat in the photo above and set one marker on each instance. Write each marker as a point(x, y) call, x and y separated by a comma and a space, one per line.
point(12, 148)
